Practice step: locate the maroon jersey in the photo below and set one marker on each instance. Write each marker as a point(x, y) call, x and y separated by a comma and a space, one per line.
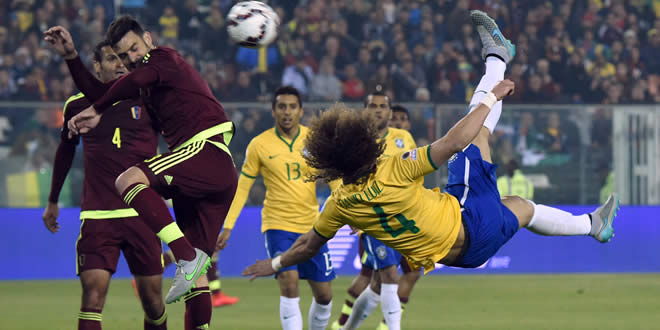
point(124, 137)
point(179, 98)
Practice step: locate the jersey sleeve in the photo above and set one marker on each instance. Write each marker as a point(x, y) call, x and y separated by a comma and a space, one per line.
point(252, 164)
point(413, 164)
point(328, 222)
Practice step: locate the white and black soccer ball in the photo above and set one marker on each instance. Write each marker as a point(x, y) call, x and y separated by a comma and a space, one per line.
point(252, 24)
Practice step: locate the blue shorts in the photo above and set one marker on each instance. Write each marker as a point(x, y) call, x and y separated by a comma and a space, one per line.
point(318, 269)
point(489, 224)
point(377, 255)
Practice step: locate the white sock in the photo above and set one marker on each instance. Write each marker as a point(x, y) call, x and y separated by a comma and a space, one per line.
point(290, 315)
point(363, 306)
point(319, 315)
point(555, 222)
point(391, 306)
point(494, 72)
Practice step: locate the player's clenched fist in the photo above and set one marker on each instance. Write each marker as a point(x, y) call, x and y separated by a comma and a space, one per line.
point(60, 40)
point(503, 88)
point(84, 121)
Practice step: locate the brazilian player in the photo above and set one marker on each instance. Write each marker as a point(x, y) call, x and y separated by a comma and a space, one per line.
point(375, 255)
point(125, 136)
point(462, 226)
point(400, 117)
point(290, 208)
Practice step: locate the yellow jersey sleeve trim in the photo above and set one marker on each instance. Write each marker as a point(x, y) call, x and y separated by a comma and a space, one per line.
point(108, 214)
point(428, 155)
point(71, 99)
point(247, 175)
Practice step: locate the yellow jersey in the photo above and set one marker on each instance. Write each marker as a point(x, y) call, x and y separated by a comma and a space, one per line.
point(290, 202)
point(392, 207)
point(397, 140)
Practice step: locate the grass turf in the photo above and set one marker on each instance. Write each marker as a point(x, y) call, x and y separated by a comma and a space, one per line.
point(575, 301)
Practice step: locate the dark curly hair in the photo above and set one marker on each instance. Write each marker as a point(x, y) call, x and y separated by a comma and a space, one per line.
point(343, 144)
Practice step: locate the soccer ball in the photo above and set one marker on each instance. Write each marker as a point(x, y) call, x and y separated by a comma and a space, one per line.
point(252, 24)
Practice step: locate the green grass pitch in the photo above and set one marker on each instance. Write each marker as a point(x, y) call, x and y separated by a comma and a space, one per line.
point(576, 301)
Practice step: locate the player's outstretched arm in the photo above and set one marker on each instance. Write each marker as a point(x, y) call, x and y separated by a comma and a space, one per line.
point(303, 249)
point(61, 41)
point(467, 129)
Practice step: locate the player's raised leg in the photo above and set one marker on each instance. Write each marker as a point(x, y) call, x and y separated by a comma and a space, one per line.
point(496, 52)
point(550, 221)
point(133, 185)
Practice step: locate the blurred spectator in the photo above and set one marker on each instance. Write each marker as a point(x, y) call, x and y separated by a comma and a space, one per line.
point(325, 85)
point(299, 75)
point(353, 86)
point(514, 182)
point(244, 90)
point(169, 24)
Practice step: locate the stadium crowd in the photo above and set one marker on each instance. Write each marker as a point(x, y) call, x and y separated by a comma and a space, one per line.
point(568, 51)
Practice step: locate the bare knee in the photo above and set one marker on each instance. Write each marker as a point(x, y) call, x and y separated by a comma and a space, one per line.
point(322, 292)
point(130, 176)
point(520, 207)
point(95, 284)
point(389, 275)
point(150, 290)
point(288, 283)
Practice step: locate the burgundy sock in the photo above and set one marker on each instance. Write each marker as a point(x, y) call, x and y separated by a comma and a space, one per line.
point(153, 211)
point(198, 308)
point(158, 324)
point(212, 274)
point(89, 319)
point(349, 302)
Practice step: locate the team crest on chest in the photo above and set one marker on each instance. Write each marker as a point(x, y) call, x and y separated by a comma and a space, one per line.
point(399, 143)
point(136, 112)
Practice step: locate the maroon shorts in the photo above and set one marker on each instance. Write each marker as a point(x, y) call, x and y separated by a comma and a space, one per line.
point(201, 179)
point(101, 240)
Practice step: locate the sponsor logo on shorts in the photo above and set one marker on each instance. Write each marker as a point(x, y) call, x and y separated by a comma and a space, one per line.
point(399, 143)
point(81, 260)
point(381, 252)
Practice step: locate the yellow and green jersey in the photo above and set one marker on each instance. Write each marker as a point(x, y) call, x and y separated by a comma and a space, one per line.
point(394, 208)
point(290, 202)
point(397, 140)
